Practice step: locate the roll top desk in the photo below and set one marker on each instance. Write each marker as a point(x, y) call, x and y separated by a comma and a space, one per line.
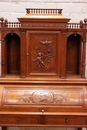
point(42, 79)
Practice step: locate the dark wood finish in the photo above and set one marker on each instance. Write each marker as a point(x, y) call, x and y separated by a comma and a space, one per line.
point(43, 71)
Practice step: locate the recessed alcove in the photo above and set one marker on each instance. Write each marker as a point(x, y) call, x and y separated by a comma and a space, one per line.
point(74, 54)
point(12, 55)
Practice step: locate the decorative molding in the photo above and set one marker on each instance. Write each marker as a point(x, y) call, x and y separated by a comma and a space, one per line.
point(64, 31)
point(58, 25)
point(23, 31)
point(2, 41)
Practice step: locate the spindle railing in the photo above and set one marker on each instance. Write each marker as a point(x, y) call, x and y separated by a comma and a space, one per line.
point(43, 11)
point(18, 25)
point(73, 25)
point(6, 24)
point(13, 25)
point(10, 25)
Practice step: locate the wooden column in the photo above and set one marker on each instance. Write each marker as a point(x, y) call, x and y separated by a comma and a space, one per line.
point(63, 54)
point(2, 57)
point(79, 128)
point(80, 59)
point(2, 48)
point(23, 54)
point(83, 59)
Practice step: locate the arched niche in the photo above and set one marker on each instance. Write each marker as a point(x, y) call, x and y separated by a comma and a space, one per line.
point(12, 53)
point(74, 54)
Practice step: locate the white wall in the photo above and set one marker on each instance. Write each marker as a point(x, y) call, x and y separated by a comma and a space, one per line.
point(13, 9)
point(74, 9)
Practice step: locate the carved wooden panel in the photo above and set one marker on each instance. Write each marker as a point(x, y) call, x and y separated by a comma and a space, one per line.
point(43, 25)
point(36, 95)
point(43, 53)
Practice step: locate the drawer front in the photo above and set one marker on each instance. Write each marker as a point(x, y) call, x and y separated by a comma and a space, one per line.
point(19, 120)
point(75, 120)
point(43, 120)
point(65, 120)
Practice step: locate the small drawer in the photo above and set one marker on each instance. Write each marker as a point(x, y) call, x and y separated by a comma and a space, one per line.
point(58, 120)
point(20, 120)
point(75, 121)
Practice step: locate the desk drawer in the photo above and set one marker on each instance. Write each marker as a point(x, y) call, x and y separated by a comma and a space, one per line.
point(58, 120)
point(19, 120)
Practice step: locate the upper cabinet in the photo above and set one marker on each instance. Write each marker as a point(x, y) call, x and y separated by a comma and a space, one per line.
point(43, 44)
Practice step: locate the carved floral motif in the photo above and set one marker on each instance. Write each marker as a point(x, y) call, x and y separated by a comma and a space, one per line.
point(43, 97)
point(40, 96)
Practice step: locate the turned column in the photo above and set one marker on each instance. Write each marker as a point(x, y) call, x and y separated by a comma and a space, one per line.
point(83, 59)
point(23, 54)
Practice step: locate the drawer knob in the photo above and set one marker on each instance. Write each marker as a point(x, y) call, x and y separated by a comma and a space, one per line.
point(18, 119)
point(27, 54)
point(66, 120)
point(42, 111)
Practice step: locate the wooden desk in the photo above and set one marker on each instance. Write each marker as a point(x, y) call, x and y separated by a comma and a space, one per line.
point(60, 103)
point(42, 79)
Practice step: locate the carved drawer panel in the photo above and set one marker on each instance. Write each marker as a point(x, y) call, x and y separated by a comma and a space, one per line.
point(20, 120)
point(58, 120)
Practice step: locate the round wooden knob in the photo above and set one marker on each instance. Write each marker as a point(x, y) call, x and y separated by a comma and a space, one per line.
point(42, 111)
point(27, 54)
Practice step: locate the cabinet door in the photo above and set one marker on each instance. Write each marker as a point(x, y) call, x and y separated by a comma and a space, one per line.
point(42, 47)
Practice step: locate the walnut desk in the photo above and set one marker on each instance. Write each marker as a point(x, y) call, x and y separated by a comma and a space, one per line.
point(43, 64)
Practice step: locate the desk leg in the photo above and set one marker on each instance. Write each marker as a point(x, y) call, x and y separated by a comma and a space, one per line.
point(79, 128)
point(4, 127)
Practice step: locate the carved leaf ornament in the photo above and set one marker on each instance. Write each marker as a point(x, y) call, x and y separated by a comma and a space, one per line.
point(43, 97)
